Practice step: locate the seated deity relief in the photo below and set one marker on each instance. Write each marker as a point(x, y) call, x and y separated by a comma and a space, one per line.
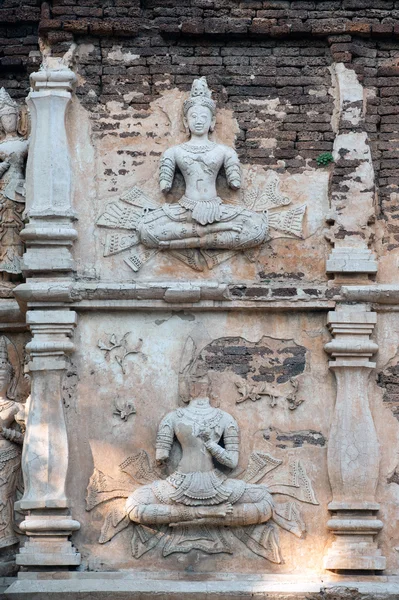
point(200, 229)
point(202, 500)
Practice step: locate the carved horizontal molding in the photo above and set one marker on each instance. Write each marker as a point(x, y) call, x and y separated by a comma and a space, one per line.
point(11, 316)
point(166, 295)
point(221, 586)
point(377, 294)
point(203, 306)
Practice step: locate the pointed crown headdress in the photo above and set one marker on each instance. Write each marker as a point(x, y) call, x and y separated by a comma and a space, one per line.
point(8, 106)
point(200, 95)
point(5, 364)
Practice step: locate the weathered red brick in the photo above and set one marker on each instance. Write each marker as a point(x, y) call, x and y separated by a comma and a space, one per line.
point(260, 26)
point(54, 37)
point(78, 26)
point(193, 26)
point(100, 27)
point(382, 28)
point(358, 28)
point(49, 24)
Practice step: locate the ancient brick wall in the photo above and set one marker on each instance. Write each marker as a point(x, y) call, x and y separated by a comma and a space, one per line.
point(19, 50)
point(249, 51)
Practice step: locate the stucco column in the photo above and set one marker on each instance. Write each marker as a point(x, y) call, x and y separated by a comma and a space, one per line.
point(45, 455)
point(353, 180)
point(353, 450)
point(49, 233)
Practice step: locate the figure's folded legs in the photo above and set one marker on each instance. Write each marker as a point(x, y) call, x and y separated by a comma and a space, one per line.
point(238, 515)
point(255, 506)
point(141, 510)
point(211, 240)
point(242, 230)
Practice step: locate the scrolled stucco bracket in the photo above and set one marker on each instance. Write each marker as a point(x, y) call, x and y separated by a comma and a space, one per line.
point(353, 450)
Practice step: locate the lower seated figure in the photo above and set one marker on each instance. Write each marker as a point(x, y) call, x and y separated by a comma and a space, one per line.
point(193, 510)
point(229, 502)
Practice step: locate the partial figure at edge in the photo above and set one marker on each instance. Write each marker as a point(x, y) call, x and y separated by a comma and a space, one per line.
point(13, 154)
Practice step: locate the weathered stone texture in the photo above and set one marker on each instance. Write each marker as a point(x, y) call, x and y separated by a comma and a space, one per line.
point(257, 321)
point(248, 51)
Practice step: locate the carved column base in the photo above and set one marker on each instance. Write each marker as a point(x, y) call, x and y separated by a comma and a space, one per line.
point(354, 548)
point(48, 543)
point(351, 260)
point(48, 242)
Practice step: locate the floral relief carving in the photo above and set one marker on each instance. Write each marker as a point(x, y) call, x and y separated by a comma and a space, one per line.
point(119, 349)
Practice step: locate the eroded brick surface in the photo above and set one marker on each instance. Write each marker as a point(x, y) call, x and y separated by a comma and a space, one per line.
point(268, 61)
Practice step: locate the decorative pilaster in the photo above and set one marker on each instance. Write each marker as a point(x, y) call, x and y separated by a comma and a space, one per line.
point(45, 454)
point(353, 451)
point(49, 234)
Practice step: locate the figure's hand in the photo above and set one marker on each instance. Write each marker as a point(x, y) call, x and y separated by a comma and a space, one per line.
point(165, 186)
point(161, 457)
point(235, 184)
point(204, 435)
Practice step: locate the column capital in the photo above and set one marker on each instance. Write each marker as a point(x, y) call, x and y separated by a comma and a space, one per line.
point(51, 343)
point(58, 77)
point(52, 318)
point(351, 345)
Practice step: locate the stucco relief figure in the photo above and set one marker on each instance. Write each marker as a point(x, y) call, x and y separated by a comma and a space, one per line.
point(13, 153)
point(198, 492)
point(200, 229)
point(200, 219)
point(12, 427)
point(200, 501)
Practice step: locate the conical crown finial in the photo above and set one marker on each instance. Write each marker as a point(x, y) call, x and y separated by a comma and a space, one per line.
point(5, 364)
point(8, 106)
point(200, 95)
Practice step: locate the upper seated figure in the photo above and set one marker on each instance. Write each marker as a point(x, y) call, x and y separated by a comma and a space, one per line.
point(200, 219)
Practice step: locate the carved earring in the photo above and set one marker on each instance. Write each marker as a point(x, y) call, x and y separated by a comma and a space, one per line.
point(23, 124)
point(186, 127)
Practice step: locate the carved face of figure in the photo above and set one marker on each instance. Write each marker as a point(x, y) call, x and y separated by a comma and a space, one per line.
point(199, 388)
point(199, 120)
point(198, 382)
point(9, 122)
